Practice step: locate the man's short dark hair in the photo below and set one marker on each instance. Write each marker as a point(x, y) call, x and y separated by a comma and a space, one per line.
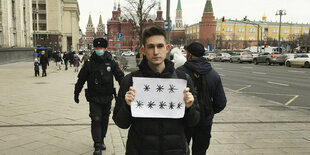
point(152, 31)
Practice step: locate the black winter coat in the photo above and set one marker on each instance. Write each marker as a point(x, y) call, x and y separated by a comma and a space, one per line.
point(153, 136)
point(216, 92)
point(44, 61)
point(105, 81)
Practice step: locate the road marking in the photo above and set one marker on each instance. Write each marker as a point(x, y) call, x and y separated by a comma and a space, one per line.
point(296, 71)
point(276, 83)
point(248, 86)
point(259, 73)
point(290, 101)
point(248, 67)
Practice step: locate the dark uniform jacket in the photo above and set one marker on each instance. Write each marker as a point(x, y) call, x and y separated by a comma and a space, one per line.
point(44, 61)
point(216, 92)
point(154, 136)
point(98, 72)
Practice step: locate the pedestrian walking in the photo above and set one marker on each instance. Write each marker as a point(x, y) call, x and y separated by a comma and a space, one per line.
point(36, 67)
point(44, 63)
point(58, 60)
point(154, 136)
point(71, 58)
point(210, 95)
point(85, 58)
point(98, 71)
point(66, 59)
point(76, 62)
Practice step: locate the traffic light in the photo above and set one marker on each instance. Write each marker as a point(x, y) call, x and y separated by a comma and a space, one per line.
point(223, 19)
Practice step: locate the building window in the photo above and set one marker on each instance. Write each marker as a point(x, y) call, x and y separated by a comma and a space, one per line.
point(228, 29)
point(306, 31)
point(240, 29)
point(240, 38)
point(296, 31)
point(228, 38)
point(251, 38)
point(218, 29)
point(275, 30)
point(286, 31)
point(194, 30)
point(198, 29)
point(42, 7)
point(42, 27)
point(252, 30)
point(42, 16)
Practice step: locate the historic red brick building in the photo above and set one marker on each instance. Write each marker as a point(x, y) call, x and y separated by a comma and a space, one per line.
point(130, 32)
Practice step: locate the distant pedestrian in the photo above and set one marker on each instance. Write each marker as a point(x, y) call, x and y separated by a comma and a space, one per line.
point(58, 60)
point(44, 63)
point(85, 57)
point(71, 58)
point(36, 67)
point(98, 71)
point(138, 59)
point(66, 59)
point(210, 94)
point(76, 61)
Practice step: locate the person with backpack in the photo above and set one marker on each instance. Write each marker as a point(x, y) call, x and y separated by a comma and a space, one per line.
point(154, 136)
point(98, 71)
point(210, 94)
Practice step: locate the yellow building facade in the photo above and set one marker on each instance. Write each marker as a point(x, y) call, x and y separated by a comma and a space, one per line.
point(234, 33)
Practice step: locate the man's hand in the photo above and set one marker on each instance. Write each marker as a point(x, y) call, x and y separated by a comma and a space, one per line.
point(76, 98)
point(188, 98)
point(130, 95)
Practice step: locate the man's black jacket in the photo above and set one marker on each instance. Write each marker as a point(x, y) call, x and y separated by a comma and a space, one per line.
point(154, 136)
point(201, 66)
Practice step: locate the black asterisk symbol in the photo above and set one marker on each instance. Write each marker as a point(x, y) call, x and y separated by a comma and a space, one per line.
point(146, 88)
point(162, 105)
point(151, 104)
point(179, 105)
point(172, 88)
point(160, 88)
point(139, 104)
point(171, 105)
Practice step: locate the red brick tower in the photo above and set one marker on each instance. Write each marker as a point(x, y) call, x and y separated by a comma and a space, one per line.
point(100, 29)
point(90, 32)
point(207, 26)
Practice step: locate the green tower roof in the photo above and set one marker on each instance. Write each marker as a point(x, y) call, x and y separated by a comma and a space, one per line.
point(208, 7)
point(179, 5)
point(90, 22)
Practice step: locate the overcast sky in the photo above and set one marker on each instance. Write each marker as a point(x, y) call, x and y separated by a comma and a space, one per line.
point(296, 10)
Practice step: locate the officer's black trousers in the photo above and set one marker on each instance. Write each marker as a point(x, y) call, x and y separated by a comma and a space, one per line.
point(99, 114)
point(200, 135)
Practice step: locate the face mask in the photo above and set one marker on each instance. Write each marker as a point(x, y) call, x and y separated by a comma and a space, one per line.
point(99, 53)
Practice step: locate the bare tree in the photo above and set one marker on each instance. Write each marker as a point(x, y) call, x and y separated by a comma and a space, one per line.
point(139, 11)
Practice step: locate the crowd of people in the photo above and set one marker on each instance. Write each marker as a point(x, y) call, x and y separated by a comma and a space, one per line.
point(60, 58)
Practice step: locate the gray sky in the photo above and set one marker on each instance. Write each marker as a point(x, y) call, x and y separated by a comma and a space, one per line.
point(296, 10)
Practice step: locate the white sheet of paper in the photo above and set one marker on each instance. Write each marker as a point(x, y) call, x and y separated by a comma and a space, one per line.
point(153, 102)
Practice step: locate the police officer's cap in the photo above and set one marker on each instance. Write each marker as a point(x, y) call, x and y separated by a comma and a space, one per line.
point(100, 42)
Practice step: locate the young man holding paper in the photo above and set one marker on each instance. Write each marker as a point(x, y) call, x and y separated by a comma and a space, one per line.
point(155, 135)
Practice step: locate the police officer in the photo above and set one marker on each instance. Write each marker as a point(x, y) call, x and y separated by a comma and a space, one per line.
point(98, 72)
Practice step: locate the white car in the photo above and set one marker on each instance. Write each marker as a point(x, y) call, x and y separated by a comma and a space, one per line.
point(302, 59)
point(128, 53)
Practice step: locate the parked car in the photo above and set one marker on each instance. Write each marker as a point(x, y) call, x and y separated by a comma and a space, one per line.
point(222, 57)
point(128, 53)
point(241, 57)
point(302, 60)
point(270, 58)
point(209, 56)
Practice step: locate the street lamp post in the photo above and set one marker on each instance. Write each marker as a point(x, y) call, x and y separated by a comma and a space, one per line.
point(280, 13)
point(168, 19)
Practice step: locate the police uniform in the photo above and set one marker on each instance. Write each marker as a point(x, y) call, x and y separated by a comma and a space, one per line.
point(98, 71)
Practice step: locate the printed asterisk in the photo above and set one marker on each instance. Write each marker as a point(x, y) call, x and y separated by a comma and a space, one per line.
point(171, 105)
point(139, 104)
point(162, 105)
point(146, 87)
point(151, 104)
point(179, 105)
point(160, 88)
point(172, 88)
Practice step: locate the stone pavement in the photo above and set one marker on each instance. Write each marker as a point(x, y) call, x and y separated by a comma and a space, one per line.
point(38, 116)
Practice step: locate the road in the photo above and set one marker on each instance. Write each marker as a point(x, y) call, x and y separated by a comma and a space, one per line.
point(289, 86)
point(276, 84)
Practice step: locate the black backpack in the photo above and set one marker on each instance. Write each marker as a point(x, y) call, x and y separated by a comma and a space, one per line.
point(202, 93)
